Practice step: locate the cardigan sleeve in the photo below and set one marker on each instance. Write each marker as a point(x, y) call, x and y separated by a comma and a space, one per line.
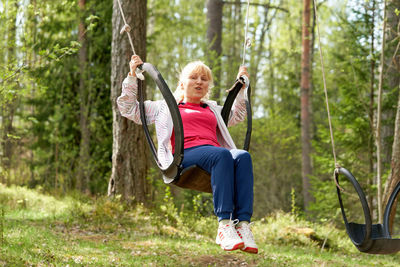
point(128, 104)
point(238, 112)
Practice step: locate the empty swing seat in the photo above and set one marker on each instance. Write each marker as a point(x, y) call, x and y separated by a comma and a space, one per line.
point(369, 238)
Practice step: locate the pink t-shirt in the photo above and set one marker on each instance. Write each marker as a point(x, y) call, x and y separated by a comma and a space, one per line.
point(199, 126)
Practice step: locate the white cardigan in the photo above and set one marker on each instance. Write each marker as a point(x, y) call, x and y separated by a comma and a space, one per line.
point(157, 112)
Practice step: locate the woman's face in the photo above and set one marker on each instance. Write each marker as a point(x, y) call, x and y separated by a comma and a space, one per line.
point(195, 87)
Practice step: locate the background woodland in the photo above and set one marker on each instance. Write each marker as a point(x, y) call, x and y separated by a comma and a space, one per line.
point(62, 64)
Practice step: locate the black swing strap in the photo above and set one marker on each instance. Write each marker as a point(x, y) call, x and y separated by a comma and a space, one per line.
point(359, 235)
point(226, 109)
point(174, 168)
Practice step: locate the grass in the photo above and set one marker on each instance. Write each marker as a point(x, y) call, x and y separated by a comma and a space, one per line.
point(41, 230)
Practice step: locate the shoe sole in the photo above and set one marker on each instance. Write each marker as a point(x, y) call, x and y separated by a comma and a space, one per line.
point(235, 247)
point(250, 250)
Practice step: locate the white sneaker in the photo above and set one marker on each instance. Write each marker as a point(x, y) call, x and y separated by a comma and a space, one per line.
point(243, 230)
point(227, 236)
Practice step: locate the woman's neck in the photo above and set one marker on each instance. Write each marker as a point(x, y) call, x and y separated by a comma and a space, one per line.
point(191, 100)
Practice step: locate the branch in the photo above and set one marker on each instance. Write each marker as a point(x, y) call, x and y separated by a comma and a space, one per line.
point(13, 74)
point(256, 4)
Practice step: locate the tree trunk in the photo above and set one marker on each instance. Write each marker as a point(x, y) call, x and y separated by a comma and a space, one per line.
point(32, 18)
point(237, 20)
point(378, 139)
point(393, 81)
point(83, 178)
point(370, 180)
point(129, 157)
point(259, 49)
point(395, 165)
point(8, 129)
point(214, 37)
point(305, 105)
point(8, 108)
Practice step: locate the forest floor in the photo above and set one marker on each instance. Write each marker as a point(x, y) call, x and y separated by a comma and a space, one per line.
point(40, 230)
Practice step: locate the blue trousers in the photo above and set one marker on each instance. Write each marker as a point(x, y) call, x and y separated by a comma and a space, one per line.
point(231, 179)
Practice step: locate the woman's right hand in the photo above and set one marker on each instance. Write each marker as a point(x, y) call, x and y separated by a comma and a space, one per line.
point(133, 64)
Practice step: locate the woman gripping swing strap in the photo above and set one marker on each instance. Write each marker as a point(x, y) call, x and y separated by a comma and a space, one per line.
point(207, 143)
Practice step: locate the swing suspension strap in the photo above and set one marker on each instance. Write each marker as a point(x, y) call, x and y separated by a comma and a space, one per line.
point(337, 166)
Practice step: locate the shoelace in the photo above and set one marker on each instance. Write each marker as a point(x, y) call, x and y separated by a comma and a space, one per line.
point(246, 232)
point(229, 228)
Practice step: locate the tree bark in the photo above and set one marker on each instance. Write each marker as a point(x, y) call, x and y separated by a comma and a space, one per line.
point(393, 82)
point(129, 157)
point(390, 79)
point(214, 37)
point(395, 165)
point(83, 178)
point(305, 105)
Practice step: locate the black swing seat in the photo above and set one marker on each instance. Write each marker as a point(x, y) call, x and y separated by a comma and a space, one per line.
point(192, 177)
point(369, 238)
point(378, 243)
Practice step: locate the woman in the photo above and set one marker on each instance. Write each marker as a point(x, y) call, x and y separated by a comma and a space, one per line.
point(207, 144)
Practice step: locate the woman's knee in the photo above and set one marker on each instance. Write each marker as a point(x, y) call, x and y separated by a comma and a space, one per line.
point(239, 154)
point(224, 154)
point(245, 155)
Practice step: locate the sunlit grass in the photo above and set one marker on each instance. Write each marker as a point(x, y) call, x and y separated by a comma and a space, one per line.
point(23, 203)
point(43, 230)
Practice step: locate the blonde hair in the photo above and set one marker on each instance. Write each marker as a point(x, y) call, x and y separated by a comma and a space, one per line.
point(197, 67)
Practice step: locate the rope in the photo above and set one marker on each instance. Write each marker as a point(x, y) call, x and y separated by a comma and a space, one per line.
point(337, 166)
point(126, 28)
point(247, 42)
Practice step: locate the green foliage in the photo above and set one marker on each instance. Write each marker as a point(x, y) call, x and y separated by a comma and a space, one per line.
point(294, 208)
point(168, 208)
point(175, 37)
point(203, 204)
point(275, 152)
point(349, 77)
point(1, 224)
point(48, 104)
point(169, 220)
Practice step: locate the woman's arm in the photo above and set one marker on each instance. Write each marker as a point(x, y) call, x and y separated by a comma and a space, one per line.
point(127, 102)
point(239, 112)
